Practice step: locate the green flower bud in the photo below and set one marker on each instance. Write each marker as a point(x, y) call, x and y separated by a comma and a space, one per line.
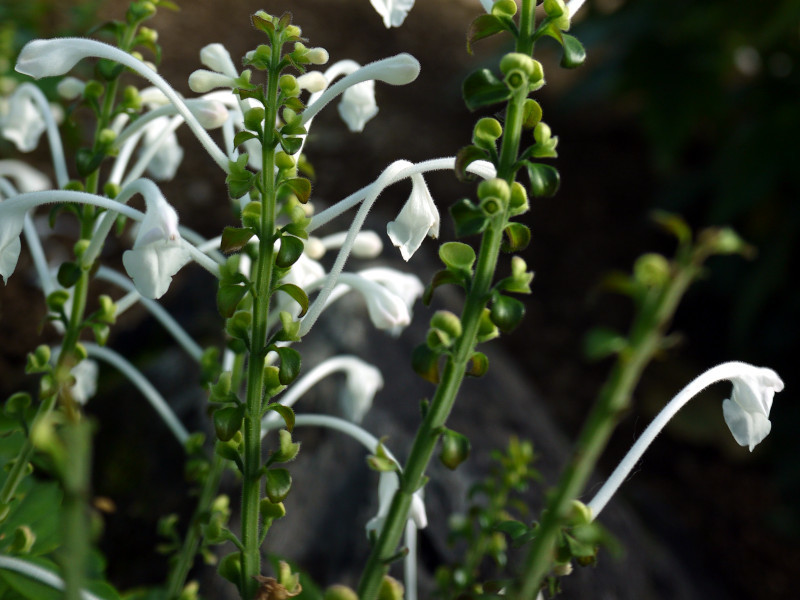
point(579, 514)
point(106, 137)
point(504, 9)
point(542, 133)
point(80, 247)
point(253, 118)
point(148, 35)
point(516, 61)
point(486, 133)
point(447, 322)
point(455, 449)
point(340, 592)
point(494, 188)
point(289, 86)
point(111, 189)
point(74, 186)
point(284, 161)
point(271, 510)
point(251, 215)
point(93, 90)
point(22, 540)
point(391, 589)
point(293, 31)
point(555, 8)
point(651, 270)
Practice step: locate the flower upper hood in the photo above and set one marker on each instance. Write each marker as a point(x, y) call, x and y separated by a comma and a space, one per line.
point(746, 412)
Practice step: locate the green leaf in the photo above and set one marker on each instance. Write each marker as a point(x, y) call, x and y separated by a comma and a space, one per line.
point(87, 161)
point(297, 294)
point(68, 274)
point(290, 250)
point(235, 238)
point(27, 588)
point(483, 27)
point(290, 145)
point(601, 342)
point(228, 421)
point(457, 256)
point(296, 229)
point(531, 113)
point(300, 187)
point(290, 364)
point(101, 332)
point(442, 277)
point(517, 237)
point(507, 312)
point(284, 411)
point(574, 52)
point(240, 181)
point(242, 137)
point(478, 365)
point(544, 179)
point(467, 218)
point(228, 298)
point(425, 363)
point(487, 330)
point(277, 484)
point(482, 88)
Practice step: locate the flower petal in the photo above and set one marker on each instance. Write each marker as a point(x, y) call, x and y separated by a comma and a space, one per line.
point(394, 12)
point(23, 124)
point(358, 105)
point(418, 218)
point(152, 266)
point(748, 428)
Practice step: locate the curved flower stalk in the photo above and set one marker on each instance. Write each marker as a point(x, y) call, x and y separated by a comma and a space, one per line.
point(27, 178)
point(362, 383)
point(367, 196)
point(393, 12)
point(30, 115)
point(746, 414)
point(367, 244)
point(39, 574)
point(395, 70)
point(43, 58)
point(155, 399)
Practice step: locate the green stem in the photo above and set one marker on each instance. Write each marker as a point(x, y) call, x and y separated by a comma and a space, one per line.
point(185, 558)
point(526, 26)
point(614, 399)
point(75, 517)
point(251, 482)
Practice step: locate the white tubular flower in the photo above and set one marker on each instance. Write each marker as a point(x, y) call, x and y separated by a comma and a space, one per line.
point(395, 70)
point(367, 244)
point(393, 12)
point(11, 225)
point(418, 218)
point(363, 382)
point(169, 154)
point(387, 486)
point(358, 105)
point(217, 58)
point(313, 81)
point(573, 6)
point(211, 114)
point(26, 177)
point(85, 386)
point(23, 124)
point(203, 80)
point(407, 286)
point(386, 309)
point(746, 413)
point(70, 88)
point(157, 253)
point(152, 97)
point(487, 5)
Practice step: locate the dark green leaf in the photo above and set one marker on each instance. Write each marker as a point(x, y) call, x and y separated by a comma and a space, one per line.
point(517, 237)
point(290, 364)
point(442, 277)
point(467, 218)
point(574, 52)
point(87, 161)
point(601, 342)
point(300, 187)
point(228, 421)
point(228, 298)
point(478, 365)
point(296, 229)
point(277, 485)
point(235, 238)
point(455, 449)
point(544, 179)
point(68, 274)
point(482, 88)
point(483, 27)
point(242, 137)
point(286, 412)
point(507, 312)
point(466, 156)
point(290, 145)
point(297, 294)
point(290, 250)
point(425, 363)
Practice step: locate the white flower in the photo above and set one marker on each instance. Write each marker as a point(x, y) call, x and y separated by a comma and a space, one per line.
point(487, 5)
point(203, 80)
point(407, 286)
point(157, 253)
point(387, 486)
point(358, 105)
point(747, 410)
point(26, 177)
point(418, 218)
point(363, 382)
point(211, 114)
point(85, 386)
point(386, 309)
point(393, 11)
point(11, 224)
point(313, 81)
point(23, 124)
point(70, 88)
point(169, 154)
point(217, 58)
point(303, 273)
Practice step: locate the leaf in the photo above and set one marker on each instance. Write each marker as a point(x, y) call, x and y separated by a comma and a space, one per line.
point(442, 277)
point(277, 485)
point(574, 52)
point(455, 449)
point(228, 421)
point(235, 238)
point(68, 274)
point(284, 411)
point(290, 250)
point(467, 218)
point(483, 27)
point(507, 312)
point(482, 88)
point(466, 156)
point(228, 298)
point(457, 256)
point(290, 364)
point(425, 363)
point(290, 145)
point(544, 179)
point(300, 187)
point(601, 342)
point(297, 294)
point(242, 137)
point(478, 365)
point(517, 237)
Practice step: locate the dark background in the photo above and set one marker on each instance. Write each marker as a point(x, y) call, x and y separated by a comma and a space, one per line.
point(686, 106)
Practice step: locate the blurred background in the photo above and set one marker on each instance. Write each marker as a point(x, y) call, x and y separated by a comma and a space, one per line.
point(685, 106)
